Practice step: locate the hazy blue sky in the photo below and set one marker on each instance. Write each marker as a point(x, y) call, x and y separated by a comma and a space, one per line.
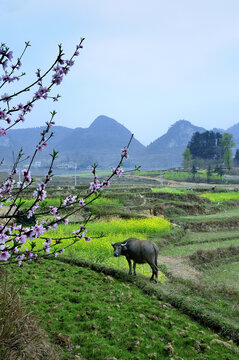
point(145, 63)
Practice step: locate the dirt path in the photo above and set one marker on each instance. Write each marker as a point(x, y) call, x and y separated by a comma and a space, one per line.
point(179, 267)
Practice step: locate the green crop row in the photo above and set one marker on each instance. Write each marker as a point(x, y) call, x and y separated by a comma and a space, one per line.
point(169, 190)
point(184, 175)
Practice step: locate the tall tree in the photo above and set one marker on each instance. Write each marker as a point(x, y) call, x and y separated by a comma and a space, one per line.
point(236, 159)
point(212, 146)
point(187, 159)
point(194, 171)
point(227, 144)
point(227, 141)
point(205, 145)
point(228, 159)
point(209, 173)
point(220, 172)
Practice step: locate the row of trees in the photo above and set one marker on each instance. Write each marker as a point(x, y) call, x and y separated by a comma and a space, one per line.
point(218, 170)
point(209, 148)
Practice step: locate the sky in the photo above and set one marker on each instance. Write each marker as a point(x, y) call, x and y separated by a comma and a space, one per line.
point(145, 63)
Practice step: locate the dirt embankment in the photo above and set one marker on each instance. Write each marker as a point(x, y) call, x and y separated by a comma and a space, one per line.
point(212, 225)
point(177, 204)
point(206, 256)
point(167, 209)
point(179, 197)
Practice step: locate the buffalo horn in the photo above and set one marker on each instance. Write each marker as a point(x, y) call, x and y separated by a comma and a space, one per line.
point(124, 244)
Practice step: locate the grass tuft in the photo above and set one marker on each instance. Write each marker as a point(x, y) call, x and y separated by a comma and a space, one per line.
point(21, 336)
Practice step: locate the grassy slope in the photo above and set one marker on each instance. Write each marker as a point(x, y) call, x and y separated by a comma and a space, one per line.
point(228, 274)
point(209, 236)
point(95, 316)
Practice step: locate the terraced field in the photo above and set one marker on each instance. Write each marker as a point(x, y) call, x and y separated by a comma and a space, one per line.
point(199, 255)
point(203, 265)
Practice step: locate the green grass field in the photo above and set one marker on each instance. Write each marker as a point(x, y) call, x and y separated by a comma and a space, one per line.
point(94, 316)
point(221, 196)
point(181, 175)
point(234, 212)
point(227, 274)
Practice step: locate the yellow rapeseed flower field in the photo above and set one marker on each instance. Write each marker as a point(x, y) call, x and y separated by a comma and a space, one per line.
point(99, 249)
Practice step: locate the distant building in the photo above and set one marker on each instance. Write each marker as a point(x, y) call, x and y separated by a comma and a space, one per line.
point(70, 165)
point(37, 164)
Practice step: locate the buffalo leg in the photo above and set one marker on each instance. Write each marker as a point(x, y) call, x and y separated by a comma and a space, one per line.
point(134, 266)
point(130, 267)
point(154, 272)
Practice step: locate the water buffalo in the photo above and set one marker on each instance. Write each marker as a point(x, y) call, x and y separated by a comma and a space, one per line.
point(140, 251)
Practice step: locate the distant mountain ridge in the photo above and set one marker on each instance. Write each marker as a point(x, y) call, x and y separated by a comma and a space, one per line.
point(168, 148)
point(102, 141)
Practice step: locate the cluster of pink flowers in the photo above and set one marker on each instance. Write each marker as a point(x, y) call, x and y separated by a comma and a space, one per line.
point(59, 68)
point(41, 93)
point(9, 79)
point(40, 193)
point(7, 186)
point(54, 210)
point(6, 56)
point(27, 175)
point(118, 171)
point(124, 152)
point(96, 186)
point(63, 67)
point(69, 200)
point(82, 202)
point(3, 131)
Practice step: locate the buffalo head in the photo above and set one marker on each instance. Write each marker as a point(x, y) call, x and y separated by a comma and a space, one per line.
point(119, 248)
